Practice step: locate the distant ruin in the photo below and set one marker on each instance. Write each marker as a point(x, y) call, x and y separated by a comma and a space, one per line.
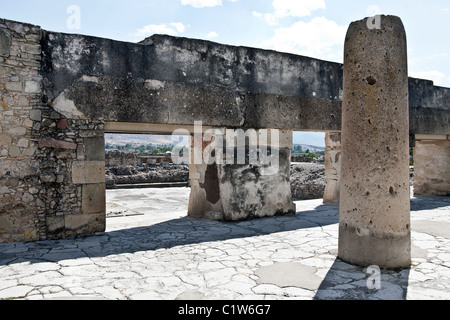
point(62, 92)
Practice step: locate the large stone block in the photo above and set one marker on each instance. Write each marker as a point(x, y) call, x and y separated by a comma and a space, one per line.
point(93, 198)
point(5, 43)
point(95, 149)
point(431, 167)
point(55, 224)
point(88, 172)
point(56, 144)
point(254, 191)
point(85, 223)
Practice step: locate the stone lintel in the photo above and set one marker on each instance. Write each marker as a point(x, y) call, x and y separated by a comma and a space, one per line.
point(420, 137)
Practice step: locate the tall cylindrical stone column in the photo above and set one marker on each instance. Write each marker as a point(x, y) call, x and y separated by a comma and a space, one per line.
point(374, 226)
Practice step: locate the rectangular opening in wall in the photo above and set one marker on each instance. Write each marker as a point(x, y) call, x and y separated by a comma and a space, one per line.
point(142, 181)
point(308, 179)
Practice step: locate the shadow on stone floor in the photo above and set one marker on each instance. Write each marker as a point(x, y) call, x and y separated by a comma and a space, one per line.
point(348, 282)
point(419, 203)
point(167, 234)
point(178, 232)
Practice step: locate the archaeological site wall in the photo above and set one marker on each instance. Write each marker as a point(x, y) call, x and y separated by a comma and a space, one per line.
point(60, 93)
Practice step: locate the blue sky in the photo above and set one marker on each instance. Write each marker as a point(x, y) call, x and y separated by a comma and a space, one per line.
point(313, 28)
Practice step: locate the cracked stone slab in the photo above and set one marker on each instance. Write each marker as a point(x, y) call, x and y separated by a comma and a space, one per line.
point(289, 274)
point(435, 228)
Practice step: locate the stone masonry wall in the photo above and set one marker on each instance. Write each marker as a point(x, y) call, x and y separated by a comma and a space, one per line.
point(51, 167)
point(72, 171)
point(21, 209)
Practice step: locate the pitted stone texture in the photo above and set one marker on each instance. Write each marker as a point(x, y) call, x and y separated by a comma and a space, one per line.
point(333, 154)
point(374, 201)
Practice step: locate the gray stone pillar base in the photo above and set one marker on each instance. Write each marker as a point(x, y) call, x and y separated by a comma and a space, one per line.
point(384, 251)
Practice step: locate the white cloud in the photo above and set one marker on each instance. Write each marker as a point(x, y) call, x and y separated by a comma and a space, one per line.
point(316, 38)
point(201, 3)
point(212, 35)
point(437, 77)
point(172, 29)
point(293, 8)
point(296, 8)
point(373, 10)
point(268, 17)
point(178, 26)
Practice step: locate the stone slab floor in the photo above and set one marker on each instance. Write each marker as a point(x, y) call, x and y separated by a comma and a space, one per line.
point(151, 250)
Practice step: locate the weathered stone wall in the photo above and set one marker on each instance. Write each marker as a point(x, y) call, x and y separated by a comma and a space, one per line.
point(72, 165)
point(233, 192)
point(51, 167)
point(432, 166)
point(332, 167)
point(58, 91)
point(22, 210)
point(118, 158)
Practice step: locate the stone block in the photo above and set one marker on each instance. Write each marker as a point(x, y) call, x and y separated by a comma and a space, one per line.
point(32, 87)
point(36, 115)
point(14, 151)
point(431, 167)
point(5, 43)
point(23, 143)
point(17, 131)
point(95, 149)
point(93, 198)
point(55, 224)
point(88, 172)
point(254, 191)
point(48, 177)
point(56, 144)
point(31, 48)
point(85, 223)
point(5, 140)
point(14, 86)
point(6, 224)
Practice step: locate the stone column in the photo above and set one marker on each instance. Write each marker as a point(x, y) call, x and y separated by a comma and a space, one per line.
point(374, 226)
point(431, 165)
point(332, 167)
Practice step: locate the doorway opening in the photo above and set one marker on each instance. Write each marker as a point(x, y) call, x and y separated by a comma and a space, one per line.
point(308, 180)
point(142, 182)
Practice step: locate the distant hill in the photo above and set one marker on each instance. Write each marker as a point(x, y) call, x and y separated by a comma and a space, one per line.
point(139, 139)
point(310, 147)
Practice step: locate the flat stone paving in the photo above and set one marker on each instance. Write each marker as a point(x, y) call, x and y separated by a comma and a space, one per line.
point(162, 254)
